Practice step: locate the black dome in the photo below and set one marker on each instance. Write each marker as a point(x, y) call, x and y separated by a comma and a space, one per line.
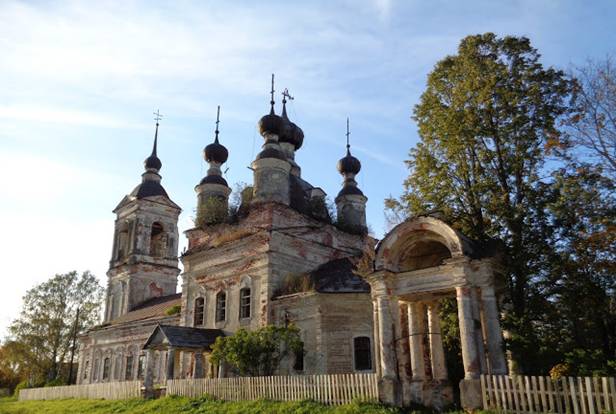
point(350, 190)
point(270, 124)
point(214, 179)
point(271, 153)
point(292, 134)
point(149, 188)
point(152, 163)
point(216, 152)
point(349, 164)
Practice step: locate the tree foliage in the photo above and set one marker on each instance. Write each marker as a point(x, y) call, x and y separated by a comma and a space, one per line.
point(485, 120)
point(259, 352)
point(591, 127)
point(54, 313)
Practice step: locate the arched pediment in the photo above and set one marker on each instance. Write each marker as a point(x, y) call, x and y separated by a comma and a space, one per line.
point(418, 243)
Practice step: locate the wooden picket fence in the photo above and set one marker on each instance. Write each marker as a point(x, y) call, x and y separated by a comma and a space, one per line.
point(329, 389)
point(106, 390)
point(530, 394)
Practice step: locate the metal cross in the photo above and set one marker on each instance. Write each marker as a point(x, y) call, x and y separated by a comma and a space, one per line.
point(217, 121)
point(348, 133)
point(285, 94)
point(272, 91)
point(158, 116)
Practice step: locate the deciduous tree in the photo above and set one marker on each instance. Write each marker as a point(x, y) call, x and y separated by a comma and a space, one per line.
point(53, 314)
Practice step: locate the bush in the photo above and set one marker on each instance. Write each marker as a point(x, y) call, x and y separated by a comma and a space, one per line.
point(213, 210)
point(22, 385)
point(55, 382)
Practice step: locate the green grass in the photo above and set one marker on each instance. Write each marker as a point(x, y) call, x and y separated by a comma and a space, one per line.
point(169, 405)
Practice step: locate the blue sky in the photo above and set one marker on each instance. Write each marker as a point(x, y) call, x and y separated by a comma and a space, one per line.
point(79, 82)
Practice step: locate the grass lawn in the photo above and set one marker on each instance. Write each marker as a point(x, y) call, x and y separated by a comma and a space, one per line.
point(169, 405)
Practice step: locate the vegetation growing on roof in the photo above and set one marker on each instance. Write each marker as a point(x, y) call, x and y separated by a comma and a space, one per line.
point(173, 310)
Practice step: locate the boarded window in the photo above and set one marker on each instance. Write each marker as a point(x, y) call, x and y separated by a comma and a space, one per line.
point(244, 303)
point(129, 368)
point(106, 368)
point(363, 356)
point(221, 306)
point(199, 311)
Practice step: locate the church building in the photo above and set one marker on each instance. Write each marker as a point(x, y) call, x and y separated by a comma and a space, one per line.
point(280, 257)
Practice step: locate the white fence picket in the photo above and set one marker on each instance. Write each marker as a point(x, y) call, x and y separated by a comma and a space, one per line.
point(108, 391)
point(521, 394)
point(330, 389)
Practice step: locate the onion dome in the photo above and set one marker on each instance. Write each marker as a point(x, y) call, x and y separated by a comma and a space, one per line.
point(153, 162)
point(349, 164)
point(290, 132)
point(271, 124)
point(216, 152)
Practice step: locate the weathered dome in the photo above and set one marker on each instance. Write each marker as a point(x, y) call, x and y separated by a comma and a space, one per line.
point(271, 153)
point(270, 124)
point(214, 179)
point(349, 164)
point(153, 162)
point(290, 132)
point(216, 152)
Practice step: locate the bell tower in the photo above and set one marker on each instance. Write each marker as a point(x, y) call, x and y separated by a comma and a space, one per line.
point(144, 262)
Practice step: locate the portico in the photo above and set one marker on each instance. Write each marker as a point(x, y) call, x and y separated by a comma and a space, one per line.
point(417, 264)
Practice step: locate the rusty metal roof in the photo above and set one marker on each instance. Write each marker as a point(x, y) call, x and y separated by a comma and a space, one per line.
point(150, 309)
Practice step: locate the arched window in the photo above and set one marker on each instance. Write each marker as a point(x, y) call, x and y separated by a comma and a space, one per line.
point(158, 240)
point(129, 368)
point(106, 368)
point(244, 303)
point(117, 367)
point(363, 355)
point(199, 312)
point(122, 246)
point(141, 367)
point(221, 306)
point(95, 367)
point(298, 364)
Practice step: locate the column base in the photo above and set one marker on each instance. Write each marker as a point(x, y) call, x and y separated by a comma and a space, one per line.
point(470, 394)
point(390, 391)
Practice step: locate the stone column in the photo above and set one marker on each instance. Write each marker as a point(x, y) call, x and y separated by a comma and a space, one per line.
point(198, 364)
point(377, 338)
point(417, 320)
point(481, 352)
point(388, 360)
point(389, 385)
point(467, 332)
point(170, 363)
point(470, 387)
point(494, 336)
point(439, 368)
point(417, 313)
point(148, 380)
point(403, 357)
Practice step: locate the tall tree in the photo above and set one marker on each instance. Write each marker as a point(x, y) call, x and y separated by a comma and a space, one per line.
point(484, 119)
point(53, 314)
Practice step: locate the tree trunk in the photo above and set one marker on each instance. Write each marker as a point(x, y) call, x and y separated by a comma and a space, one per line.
point(74, 339)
